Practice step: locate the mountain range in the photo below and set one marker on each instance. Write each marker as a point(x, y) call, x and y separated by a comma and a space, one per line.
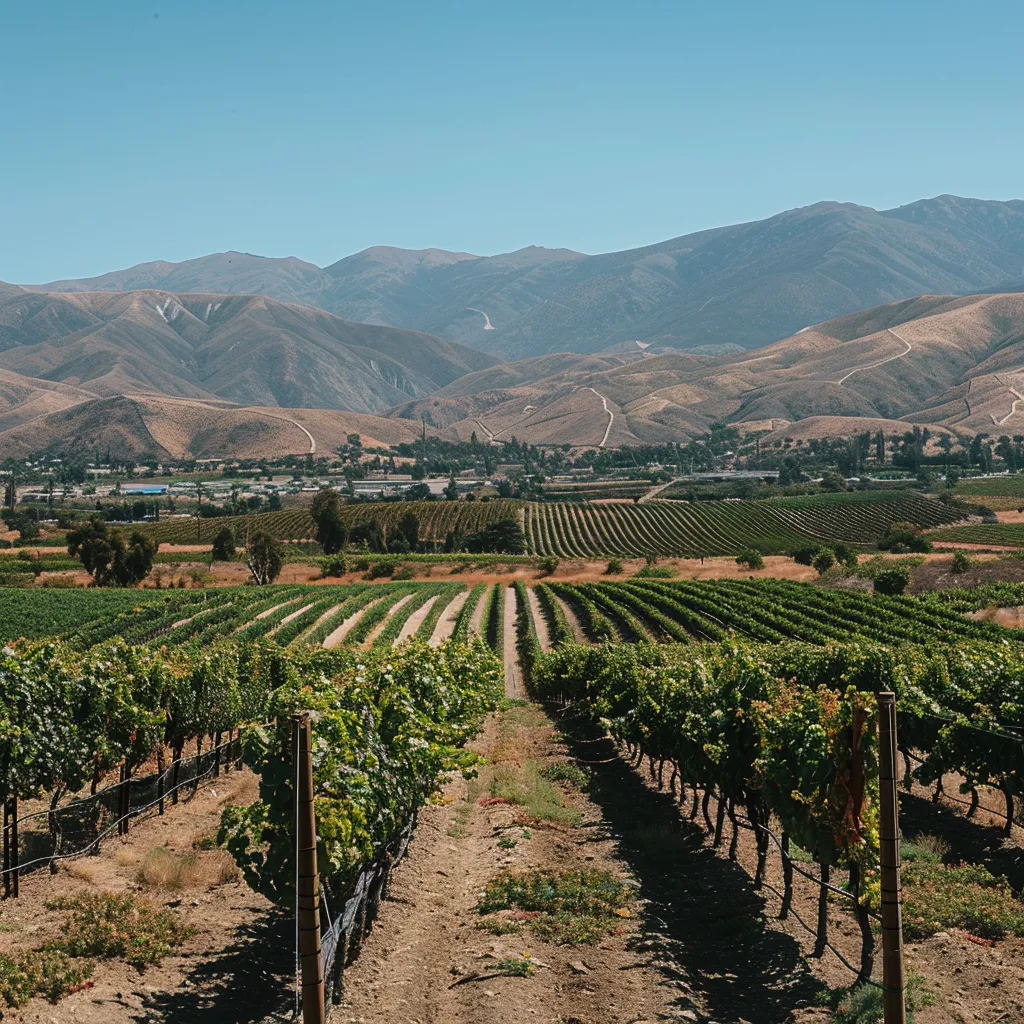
point(552, 346)
point(952, 361)
point(744, 285)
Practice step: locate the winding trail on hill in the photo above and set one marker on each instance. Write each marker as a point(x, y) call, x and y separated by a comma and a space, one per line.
point(881, 362)
point(611, 417)
point(295, 423)
point(488, 326)
point(1017, 397)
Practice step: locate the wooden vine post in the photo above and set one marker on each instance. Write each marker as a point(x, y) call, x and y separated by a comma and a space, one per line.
point(307, 896)
point(893, 981)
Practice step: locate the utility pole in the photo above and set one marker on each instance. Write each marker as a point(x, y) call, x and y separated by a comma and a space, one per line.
point(893, 981)
point(307, 896)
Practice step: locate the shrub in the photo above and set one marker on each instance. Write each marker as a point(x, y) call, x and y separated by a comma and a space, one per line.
point(223, 545)
point(805, 555)
point(961, 563)
point(892, 581)
point(382, 567)
point(845, 555)
point(824, 560)
point(905, 538)
point(751, 558)
point(656, 572)
point(614, 567)
point(334, 566)
point(548, 565)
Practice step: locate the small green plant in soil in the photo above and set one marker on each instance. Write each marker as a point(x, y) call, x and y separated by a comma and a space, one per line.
point(458, 830)
point(516, 966)
point(48, 973)
point(863, 1005)
point(567, 772)
point(967, 896)
point(107, 926)
point(525, 786)
point(507, 843)
point(567, 907)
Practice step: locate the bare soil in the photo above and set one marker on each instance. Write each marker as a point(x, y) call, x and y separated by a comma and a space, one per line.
point(426, 945)
point(235, 968)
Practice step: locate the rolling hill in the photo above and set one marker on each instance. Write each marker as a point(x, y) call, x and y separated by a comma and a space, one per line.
point(746, 284)
point(247, 349)
point(143, 427)
point(941, 360)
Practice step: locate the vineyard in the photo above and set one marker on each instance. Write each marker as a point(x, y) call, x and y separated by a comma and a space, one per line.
point(998, 534)
point(727, 527)
point(752, 698)
point(765, 611)
point(436, 518)
point(581, 529)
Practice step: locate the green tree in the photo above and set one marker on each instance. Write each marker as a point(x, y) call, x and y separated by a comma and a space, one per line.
point(263, 556)
point(330, 527)
point(224, 545)
point(824, 560)
point(108, 556)
point(504, 537)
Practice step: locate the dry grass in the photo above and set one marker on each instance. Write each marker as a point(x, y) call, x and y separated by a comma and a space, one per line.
point(82, 869)
point(162, 868)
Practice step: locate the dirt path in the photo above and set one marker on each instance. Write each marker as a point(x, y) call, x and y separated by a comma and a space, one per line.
point(513, 670)
point(655, 491)
point(335, 638)
point(574, 623)
point(382, 625)
point(270, 611)
point(476, 620)
point(417, 963)
point(293, 615)
point(611, 417)
point(881, 362)
point(539, 622)
point(415, 620)
point(446, 624)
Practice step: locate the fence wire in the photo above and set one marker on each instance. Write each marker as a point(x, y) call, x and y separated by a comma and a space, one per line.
point(78, 828)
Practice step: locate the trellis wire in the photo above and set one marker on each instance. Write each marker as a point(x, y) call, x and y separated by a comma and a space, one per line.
point(97, 799)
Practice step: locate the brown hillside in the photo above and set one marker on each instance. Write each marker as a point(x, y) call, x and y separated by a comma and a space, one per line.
point(248, 349)
point(144, 426)
point(957, 361)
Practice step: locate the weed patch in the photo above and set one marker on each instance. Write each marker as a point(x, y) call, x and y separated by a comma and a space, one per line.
point(525, 786)
point(108, 926)
point(967, 897)
point(568, 772)
point(48, 973)
point(570, 908)
point(863, 1005)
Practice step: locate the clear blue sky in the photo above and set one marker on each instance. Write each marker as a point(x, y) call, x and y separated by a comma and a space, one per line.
point(165, 129)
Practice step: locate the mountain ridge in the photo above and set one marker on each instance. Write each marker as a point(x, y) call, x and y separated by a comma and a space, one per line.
point(744, 284)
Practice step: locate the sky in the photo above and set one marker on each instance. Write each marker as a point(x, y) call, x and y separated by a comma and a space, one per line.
point(135, 130)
